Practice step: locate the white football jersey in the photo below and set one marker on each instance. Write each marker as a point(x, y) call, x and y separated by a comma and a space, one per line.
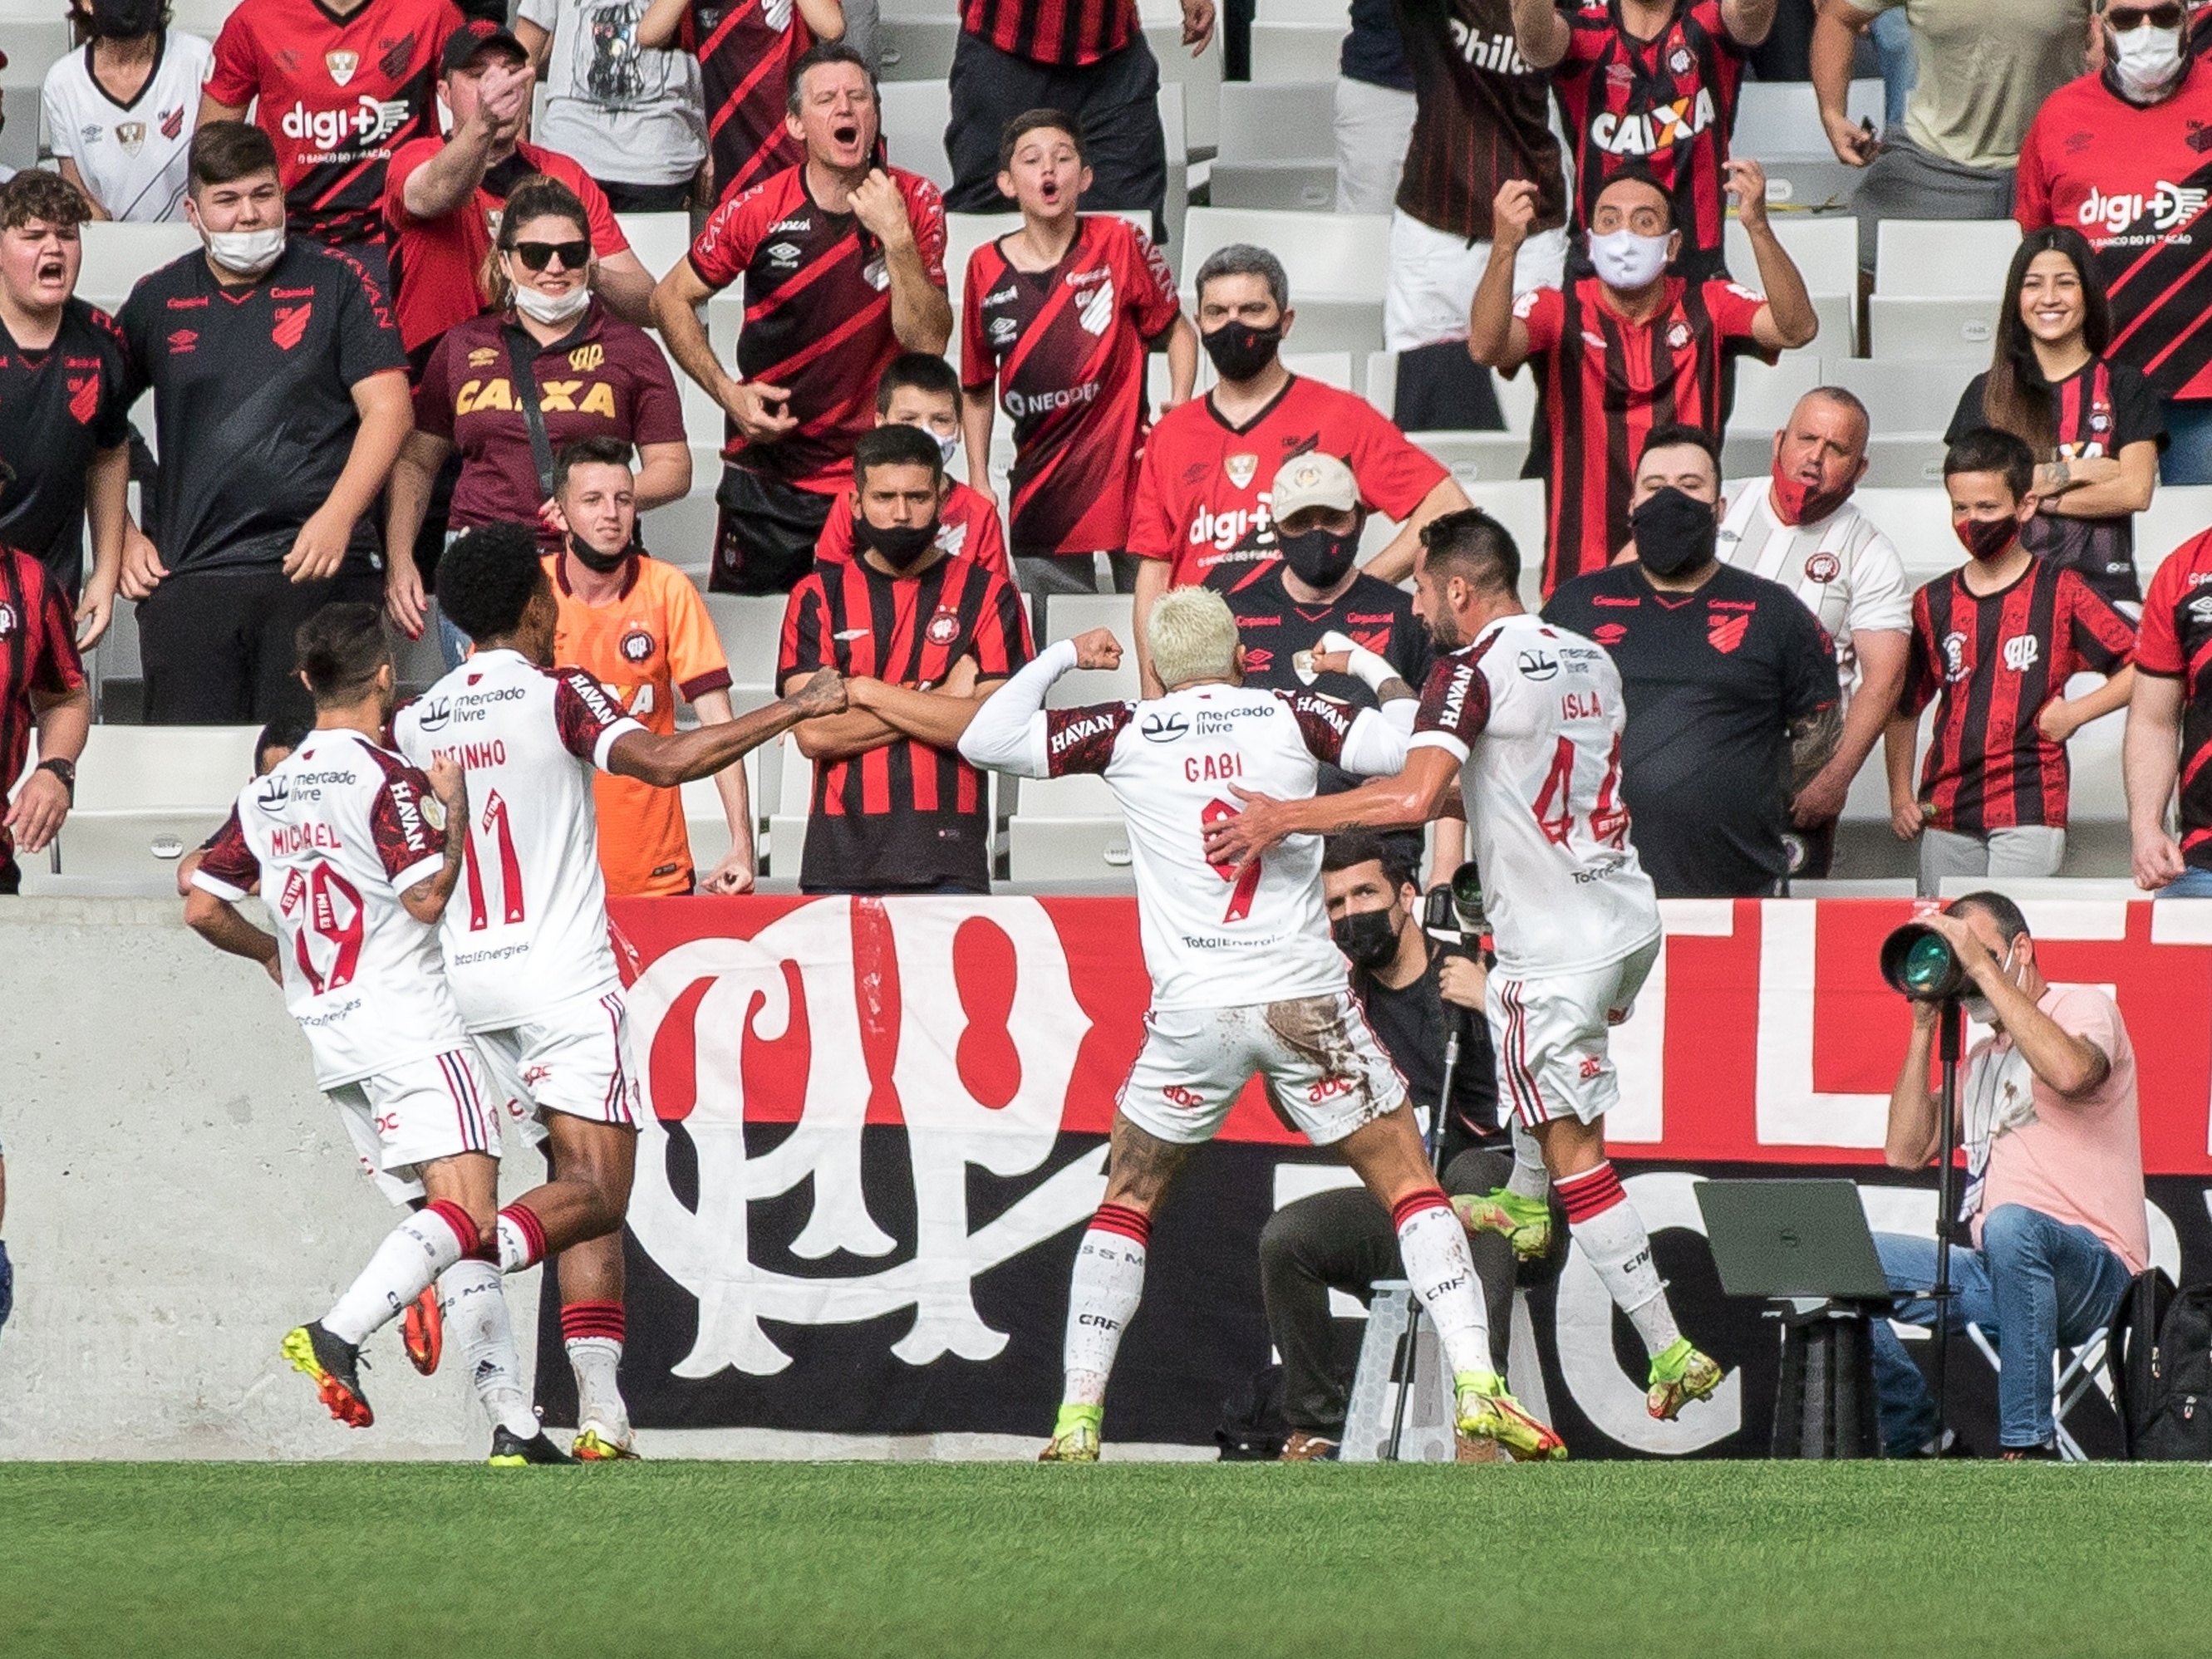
point(1847, 573)
point(1534, 715)
point(334, 834)
point(527, 930)
point(132, 157)
point(1215, 937)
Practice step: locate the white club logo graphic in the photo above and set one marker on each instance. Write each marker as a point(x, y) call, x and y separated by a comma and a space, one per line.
point(2021, 653)
point(1096, 315)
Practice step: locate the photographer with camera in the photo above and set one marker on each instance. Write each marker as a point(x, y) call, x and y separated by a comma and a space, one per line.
point(1343, 1239)
point(2054, 1196)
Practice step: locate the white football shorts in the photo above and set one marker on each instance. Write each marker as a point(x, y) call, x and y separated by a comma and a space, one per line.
point(1327, 1075)
point(1552, 1034)
point(574, 1058)
point(416, 1114)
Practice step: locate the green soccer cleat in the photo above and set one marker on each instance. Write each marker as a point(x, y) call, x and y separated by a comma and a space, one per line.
point(1074, 1435)
point(1678, 1377)
point(1486, 1412)
point(1524, 1223)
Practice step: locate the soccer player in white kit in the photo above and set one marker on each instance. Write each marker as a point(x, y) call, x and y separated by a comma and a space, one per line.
point(1529, 718)
point(525, 944)
point(1245, 979)
point(350, 849)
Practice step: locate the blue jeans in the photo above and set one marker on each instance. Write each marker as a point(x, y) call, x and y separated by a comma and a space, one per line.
point(2187, 458)
point(1901, 69)
point(2192, 883)
point(453, 646)
point(2036, 1284)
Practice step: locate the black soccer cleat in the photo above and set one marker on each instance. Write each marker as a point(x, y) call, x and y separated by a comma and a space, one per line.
point(333, 1366)
point(509, 1450)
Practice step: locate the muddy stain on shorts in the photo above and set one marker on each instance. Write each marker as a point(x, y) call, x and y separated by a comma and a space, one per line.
point(1314, 1028)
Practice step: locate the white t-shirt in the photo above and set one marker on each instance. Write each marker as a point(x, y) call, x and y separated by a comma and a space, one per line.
point(1534, 715)
point(626, 114)
point(334, 834)
point(1847, 573)
point(1213, 937)
point(527, 930)
point(132, 157)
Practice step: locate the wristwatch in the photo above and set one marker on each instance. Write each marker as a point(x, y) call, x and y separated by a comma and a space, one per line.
point(66, 771)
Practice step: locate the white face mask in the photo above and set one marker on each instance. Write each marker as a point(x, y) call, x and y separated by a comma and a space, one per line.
point(1979, 1008)
point(1625, 260)
point(246, 252)
point(552, 307)
point(950, 446)
point(2145, 61)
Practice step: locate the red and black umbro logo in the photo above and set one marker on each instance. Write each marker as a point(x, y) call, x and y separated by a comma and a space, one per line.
point(182, 340)
point(291, 325)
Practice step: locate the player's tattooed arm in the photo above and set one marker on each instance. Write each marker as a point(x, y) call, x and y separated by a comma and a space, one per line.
point(1813, 743)
point(667, 761)
point(426, 900)
point(1413, 796)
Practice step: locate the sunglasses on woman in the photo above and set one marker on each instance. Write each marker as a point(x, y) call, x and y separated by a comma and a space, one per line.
point(2122, 20)
point(536, 256)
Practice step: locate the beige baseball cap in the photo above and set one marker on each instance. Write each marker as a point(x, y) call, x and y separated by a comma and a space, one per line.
point(1306, 482)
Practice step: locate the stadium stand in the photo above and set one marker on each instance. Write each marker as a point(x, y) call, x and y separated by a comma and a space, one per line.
point(1278, 147)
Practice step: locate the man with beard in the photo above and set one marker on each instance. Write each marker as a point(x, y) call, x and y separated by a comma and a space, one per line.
point(1803, 530)
point(1204, 507)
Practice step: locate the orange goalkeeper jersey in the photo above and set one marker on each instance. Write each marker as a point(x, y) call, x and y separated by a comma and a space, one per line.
point(651, 644)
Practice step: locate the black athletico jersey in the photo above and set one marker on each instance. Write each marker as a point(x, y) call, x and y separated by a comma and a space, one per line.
point(1480, 119)
point(1409, 1022)
point(1275, 629)
point(905, 815)
point(254, 396)
point(1713, 680)
point(59, 409)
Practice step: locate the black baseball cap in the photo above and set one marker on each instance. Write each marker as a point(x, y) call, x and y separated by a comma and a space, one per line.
point(466, 43)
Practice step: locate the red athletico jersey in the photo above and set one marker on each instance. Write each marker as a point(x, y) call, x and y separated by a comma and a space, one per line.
point(338, 95)
point(2177, 643)
point(1206, 486)
point(745, 57)
point(1067, 348)
point(437, 265)
point(968, 528)
point(1990, 665)
point(1606, 383)
point(1669, 104)
point(38, 653)
point(1064, 32)
point(2136, 183)
point(817, 315)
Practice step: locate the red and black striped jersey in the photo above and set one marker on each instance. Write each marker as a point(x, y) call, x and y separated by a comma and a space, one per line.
point(745, 51)
point(1669, 103)
point(2176, 643)
point(906, 815)
point(59, 407)
point(38, 654)
point(1066, 349)
point(1989, 663)
point(1479, 119)
point(818, 314)
point(1607, 382)
point(337, 95)
point(1067, 33)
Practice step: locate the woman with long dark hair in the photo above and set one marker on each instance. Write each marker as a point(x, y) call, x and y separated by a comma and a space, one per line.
point(2094, 424)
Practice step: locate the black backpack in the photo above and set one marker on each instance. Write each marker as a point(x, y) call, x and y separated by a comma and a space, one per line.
point(2159, 1350)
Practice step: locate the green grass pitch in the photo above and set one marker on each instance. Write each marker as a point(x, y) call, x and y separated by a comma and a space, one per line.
point(857, 1560)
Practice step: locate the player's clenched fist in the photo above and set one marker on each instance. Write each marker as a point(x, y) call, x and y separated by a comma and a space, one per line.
point(1097, 649)
point(1513, 213)
point(823, 694)
point(450, 784)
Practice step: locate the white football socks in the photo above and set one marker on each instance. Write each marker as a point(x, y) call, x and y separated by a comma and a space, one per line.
point(1432, 1244)
point(1103, 1295)
point(593, 1332)
point(479, 1327)
point(1529, 1179)
point(1612, 1235)
point(410, 1259)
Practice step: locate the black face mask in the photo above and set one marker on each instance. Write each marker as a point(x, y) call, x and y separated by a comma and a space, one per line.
point(126, 20)
point(1675, 533)
point(1239, 350)
point(1369, 937)
point(899, 546)
point(1319, 557)
point(600, 564)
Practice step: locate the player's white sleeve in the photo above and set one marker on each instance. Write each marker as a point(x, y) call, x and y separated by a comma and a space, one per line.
point(1008, 731)
point(1400, 712)
point(1375, 746)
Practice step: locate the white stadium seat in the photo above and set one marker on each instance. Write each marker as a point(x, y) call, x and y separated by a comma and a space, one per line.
point(146, 795)
point(1943, 259)
point(707, 827)
point(1067, 829)
point(1476, 456)
point(916, 48)
point(1916, 327)
point(750, 628)
point(1783, 118)
point(1338, 12)
point(1066, 614)
point(1337, 263)
point(915, 114)
point(794, 799)
point(117, 256)
point(1277, 146)
point(1297, 52)
point(1199, 77)
point(34, 45)
point(681, 533)
point(658, 240)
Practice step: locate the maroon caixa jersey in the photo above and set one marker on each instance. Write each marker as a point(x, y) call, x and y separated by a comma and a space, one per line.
point(817, 315)
point(338, 95)
point(1669, 103)
point(1990, 662)
point(1066, 349)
